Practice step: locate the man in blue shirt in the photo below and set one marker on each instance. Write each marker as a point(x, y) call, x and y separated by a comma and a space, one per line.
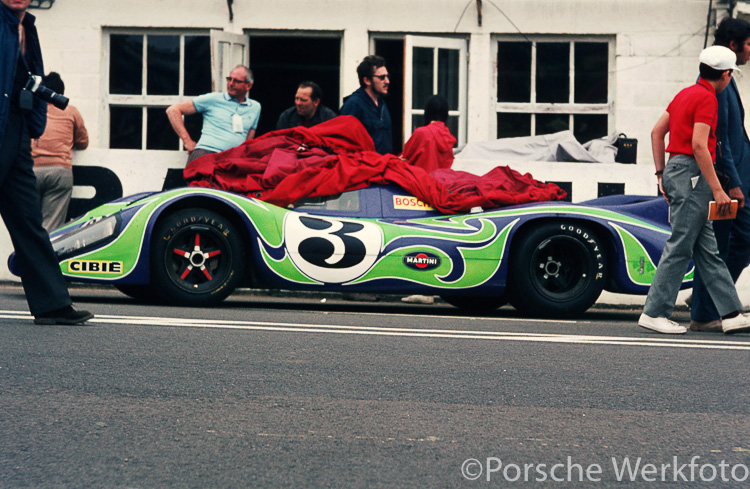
point(368, 105)
point(733, 160)
point(229, 119)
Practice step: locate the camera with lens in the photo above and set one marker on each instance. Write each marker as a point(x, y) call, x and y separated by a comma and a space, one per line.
point(36, 86)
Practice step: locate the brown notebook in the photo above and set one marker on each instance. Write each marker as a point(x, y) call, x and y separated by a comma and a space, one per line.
point(713, 211)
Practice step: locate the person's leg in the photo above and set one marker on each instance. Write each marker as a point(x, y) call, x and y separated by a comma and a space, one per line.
point(702, 309)
point(56, 199)
point(21, 210)
point(738, 254)
point(719, 284)
point(689, 208)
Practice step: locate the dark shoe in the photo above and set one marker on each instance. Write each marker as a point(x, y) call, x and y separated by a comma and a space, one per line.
point(707, 327)
point(66, 315)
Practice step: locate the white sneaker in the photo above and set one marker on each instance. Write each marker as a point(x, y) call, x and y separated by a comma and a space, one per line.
point(737, 324)
point(661, 325)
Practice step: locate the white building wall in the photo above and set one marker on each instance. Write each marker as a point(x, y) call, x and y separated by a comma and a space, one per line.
point(656, 47)
point(657, 41)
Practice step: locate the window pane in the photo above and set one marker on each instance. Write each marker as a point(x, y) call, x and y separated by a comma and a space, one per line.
point(125, 64)
point(551, 123)
point(448, 76)
point(197, 65)
point(417, 121)
point(588, 127)
point(552, 72)
point(514, 72)
point(422, 69)
point(163, 65)
point(159, 134)
point(591, 61)
point(511, 125)
point(452, 125)
point(125, 127)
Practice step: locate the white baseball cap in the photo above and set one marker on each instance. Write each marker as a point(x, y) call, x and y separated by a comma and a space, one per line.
point(719, 58)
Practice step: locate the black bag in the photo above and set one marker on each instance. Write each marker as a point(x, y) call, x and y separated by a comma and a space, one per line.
point(723, 179)
point(627, 149)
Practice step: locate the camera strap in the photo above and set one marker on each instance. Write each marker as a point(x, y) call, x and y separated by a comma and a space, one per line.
point(25, 98)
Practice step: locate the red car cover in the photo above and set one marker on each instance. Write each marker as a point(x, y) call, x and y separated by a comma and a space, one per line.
point(284, 166)
point(430, 147)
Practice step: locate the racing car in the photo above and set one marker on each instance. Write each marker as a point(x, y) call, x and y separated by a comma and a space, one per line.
point(194, 246)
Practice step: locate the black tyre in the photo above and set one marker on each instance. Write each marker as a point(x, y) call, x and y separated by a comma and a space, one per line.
point(142, 293)
point(197, 258)
point(556, 270)
point(474, 303)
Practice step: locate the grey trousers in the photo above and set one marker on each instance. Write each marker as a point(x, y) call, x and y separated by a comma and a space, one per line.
point(692, 237)
point(55, 186)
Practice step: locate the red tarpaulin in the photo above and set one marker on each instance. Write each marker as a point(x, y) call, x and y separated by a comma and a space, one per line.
point(284, 166)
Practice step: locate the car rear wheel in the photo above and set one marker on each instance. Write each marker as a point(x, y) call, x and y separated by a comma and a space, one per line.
point(558, 270)
point(197, 258)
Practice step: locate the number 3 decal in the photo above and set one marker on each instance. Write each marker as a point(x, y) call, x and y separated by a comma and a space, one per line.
point(331, 250)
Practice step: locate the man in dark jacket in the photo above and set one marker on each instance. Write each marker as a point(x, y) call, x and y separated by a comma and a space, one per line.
point(368, 105)
point(22, 117)
point(307, 110)
point(732, 159)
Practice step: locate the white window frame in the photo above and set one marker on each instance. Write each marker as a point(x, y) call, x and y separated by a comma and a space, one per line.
point(227, 51)
point(144, 101)
point(571, 108)
point(435, 43)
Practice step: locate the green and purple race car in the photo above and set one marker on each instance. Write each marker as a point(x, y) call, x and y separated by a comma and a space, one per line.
point(194, 246)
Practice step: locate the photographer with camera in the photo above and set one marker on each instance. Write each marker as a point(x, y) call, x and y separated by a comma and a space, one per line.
point(53, 154)
point(23, 115)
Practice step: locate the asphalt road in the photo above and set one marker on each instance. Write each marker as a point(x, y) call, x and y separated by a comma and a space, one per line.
point(277, 392)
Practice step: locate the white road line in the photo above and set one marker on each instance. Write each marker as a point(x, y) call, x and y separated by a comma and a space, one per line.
point(671, 342)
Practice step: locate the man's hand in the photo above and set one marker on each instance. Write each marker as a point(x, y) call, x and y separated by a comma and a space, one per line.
point(736, 194)
point(723, 203)
point(661, 189)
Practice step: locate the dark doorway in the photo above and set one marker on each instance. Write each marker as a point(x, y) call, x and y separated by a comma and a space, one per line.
point(281, 63)
point(393, 52)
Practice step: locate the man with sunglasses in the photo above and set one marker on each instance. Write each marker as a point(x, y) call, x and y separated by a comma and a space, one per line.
point(229, 118)
point(368, 105)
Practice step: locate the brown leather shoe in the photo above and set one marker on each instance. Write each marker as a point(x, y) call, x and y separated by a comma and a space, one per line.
point(708, 327)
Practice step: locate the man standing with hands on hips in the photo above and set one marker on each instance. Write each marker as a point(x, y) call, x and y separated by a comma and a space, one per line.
point(23, 116)
point(229, 119)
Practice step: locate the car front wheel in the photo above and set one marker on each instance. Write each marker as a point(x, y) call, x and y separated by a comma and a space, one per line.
point(197, 258)
point(558, 270)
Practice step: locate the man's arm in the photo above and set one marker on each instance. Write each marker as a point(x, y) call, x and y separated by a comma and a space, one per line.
point(80, 134)
point(725, 156)
point(658, 147)
point(250, 134)
point(175, 113)
point(701, 130)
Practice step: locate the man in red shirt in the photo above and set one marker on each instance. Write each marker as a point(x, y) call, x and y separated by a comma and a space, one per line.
point(688, 182)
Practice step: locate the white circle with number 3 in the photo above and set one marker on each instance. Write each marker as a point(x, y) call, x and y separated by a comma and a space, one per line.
point(331, 250)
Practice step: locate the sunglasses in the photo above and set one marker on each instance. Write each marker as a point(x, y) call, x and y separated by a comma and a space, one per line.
point(382, 77)
point(236, 80)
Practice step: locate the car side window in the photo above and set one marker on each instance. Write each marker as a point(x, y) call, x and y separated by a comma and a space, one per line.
point(346, 202)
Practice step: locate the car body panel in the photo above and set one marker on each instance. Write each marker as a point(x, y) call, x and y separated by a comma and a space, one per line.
point(376, 239)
